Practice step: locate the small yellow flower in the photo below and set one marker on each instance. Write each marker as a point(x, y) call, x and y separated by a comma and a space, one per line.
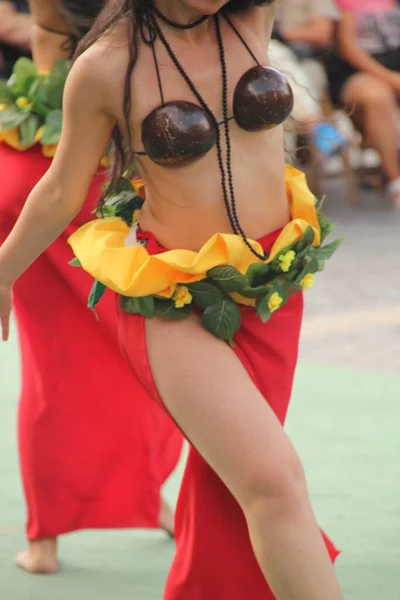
point(182, 296)
point(3, 107)
point(23, 102)
point(307, 281)
point(274, 302)
point(285, 260)
point(136, 216)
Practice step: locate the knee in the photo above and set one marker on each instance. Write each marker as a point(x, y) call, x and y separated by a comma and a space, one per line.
point(281, 488)
point(377, 96)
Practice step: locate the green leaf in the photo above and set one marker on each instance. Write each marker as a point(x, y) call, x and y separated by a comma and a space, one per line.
point(5, 93)
point(126, 205)
point(228, 278)
point(98, 291)
point(312, 264)
point(11, 117)
point(282, 286)
point(75, 262)
point(258, 274)
point(306, 240)
point(167, 309)
point(52, 128)
point(27, 131)
point(21, 87)
point(325, 252)
point(256, 292)
point(144, 306)
point(23, 68)
point(262, 308)
point(59, 71)
point(55, 95)
point(38, 97)
point(222, 319)
point(205, 294)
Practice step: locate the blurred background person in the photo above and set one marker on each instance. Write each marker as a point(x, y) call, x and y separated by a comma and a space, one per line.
point(92, 455)
point(15, 33)
point(364, 77)
point(304, 32)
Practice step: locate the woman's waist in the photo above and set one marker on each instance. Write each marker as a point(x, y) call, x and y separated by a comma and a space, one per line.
point(190, 228)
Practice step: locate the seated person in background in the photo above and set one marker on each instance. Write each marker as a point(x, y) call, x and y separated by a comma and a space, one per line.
point(364, 76)
point(15, 33)
point(304, 32)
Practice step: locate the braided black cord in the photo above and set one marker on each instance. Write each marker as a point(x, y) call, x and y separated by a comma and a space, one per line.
point(204, 105)
point(167, 21)
point(228, 142)
point(227, 188)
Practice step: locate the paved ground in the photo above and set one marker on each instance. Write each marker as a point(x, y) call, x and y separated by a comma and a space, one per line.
point(344, 420)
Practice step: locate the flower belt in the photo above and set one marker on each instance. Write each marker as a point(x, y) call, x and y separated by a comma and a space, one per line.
point(216, 280)
point(31, 107)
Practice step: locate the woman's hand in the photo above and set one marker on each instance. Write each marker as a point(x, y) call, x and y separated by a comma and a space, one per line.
point(5, 310)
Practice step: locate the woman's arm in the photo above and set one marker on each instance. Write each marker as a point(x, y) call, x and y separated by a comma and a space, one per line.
point(318, 32)
point(59, 196)
point(358, 58)
point(50, 32)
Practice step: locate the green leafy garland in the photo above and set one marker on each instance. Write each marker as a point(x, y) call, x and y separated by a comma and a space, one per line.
point(31, 100)
point(269, 285)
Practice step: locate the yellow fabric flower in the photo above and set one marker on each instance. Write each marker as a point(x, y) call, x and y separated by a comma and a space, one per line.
point(11, 137)
point(3, 107)
point(23, 102)
point(307, 281)
point(285, 260)
point(182, 296)
point(132, 271)
point(49, 150)
point(274, 302)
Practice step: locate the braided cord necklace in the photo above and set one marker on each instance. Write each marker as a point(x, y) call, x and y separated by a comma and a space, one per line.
point(227, 182)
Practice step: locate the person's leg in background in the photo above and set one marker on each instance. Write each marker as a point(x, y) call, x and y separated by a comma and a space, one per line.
point(376, 106)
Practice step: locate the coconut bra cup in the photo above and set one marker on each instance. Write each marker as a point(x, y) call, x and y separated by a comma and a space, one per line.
point(177, 133)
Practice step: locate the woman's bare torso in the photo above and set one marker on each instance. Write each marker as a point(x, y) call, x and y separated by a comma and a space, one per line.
point(184, 206)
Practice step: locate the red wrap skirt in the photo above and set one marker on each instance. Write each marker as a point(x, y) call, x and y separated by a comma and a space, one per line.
point(94, 449)
point(214, 559)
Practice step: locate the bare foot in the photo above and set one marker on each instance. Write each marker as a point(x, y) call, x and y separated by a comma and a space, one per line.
point(167, 518)
point(40, 559)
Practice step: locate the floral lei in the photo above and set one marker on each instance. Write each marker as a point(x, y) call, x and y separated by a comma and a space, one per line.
point(266, 287)
point(31, 104)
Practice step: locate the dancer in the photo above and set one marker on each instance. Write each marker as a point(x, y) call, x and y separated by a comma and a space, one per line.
point(193, 101)
point(94, 453)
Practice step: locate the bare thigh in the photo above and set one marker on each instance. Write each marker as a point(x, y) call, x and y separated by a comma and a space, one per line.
point(210, 395)
point(362, 89)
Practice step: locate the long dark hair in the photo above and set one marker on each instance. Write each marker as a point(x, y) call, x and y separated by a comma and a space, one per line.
point(81, 14)
point(136, 12)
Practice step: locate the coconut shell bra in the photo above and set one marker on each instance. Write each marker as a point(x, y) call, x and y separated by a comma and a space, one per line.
point(180, 132)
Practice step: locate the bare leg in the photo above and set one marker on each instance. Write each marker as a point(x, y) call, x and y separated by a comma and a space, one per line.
point(40, 558)
point(235, 430)
point(378, 105)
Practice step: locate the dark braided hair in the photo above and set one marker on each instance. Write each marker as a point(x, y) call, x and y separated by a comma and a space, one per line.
point(135, 11)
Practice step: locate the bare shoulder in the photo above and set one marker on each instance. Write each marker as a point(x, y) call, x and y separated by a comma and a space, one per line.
point(102, 67)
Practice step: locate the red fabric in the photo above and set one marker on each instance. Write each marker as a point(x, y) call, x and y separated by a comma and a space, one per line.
point(94, 450)
point(214, 559)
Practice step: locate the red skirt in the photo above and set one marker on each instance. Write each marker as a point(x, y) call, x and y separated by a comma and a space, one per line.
point(214, 559)
point(94, 450)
